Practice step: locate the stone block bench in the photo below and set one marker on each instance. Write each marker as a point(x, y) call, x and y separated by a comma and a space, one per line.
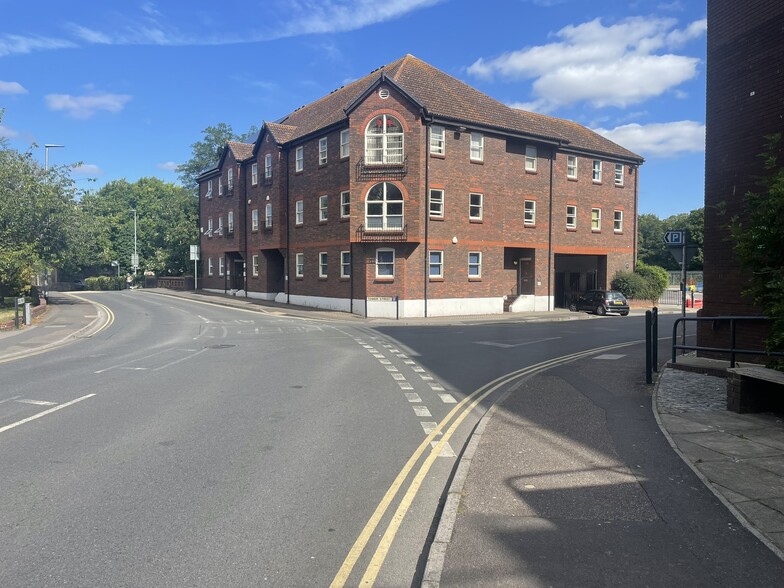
point(755, 389)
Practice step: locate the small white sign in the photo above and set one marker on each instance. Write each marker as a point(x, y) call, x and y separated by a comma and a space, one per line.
point(194, 253)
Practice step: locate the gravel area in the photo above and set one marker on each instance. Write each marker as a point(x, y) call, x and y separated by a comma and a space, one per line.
point(683, 391)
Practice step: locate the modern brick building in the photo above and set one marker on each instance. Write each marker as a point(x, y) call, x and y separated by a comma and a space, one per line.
point(410, 193)
point(745, 102)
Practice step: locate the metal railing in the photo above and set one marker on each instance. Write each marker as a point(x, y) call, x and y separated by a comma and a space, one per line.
point(732, 350)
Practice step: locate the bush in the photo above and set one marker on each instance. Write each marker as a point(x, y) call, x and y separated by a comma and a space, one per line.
point(104, 283)
point(632, 285)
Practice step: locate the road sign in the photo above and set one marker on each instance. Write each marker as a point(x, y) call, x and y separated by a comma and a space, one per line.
point(674, 238)
point(194, 252)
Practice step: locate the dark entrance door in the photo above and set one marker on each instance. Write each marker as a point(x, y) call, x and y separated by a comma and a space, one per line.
point(525, 275)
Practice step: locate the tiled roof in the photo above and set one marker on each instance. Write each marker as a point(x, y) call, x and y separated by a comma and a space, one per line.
point(445, 98)
point(240, 151)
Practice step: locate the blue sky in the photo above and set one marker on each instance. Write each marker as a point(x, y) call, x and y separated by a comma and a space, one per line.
point(128, 87)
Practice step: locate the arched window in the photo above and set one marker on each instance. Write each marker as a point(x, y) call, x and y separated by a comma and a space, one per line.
point(384, 208)
point(384, 140)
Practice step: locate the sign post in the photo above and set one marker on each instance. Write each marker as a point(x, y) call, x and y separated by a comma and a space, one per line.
point(195, 258)
point(676, 240)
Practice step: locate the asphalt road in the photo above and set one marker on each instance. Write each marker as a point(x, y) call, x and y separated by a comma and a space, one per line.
point(189, 444)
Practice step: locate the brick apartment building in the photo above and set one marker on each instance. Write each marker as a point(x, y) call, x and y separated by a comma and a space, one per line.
point(409, 193)
point(745, 102)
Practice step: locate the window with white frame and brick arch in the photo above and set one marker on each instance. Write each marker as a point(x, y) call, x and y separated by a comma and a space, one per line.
point(345, 204)
point(529, 218)
point(385, 263)
point(477, 147)
point(323, 151)
point(299, 212)
point(220, 266)
point(384, 141)
point(618, 221)
point(323, 264)
point(208, 232)
point(436, 264)
point(619, 174)
point(230, 222)
point(230, 178)
point(299, 263)
point(209, 266)
point(255, 265)
point(596, 171)
point(220, 185)
point(268, 165)
point(208, 194)
point(384, 208)
point(254, 219)
point(571, 167)
point(344, 143)
point(596, 219)
point(436, 203)
point(571, 216)
point(254, 174)
point(475, 206)
point(299, 159)
point(530, 158)
point(474, 265)
point(345, 264)
point(437, 140)
point(268, 215)
point(323, 208)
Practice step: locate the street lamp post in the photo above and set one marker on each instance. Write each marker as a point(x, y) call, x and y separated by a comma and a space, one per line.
point(46, 153)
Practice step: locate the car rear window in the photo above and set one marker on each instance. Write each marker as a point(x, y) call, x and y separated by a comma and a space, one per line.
point(615, 296)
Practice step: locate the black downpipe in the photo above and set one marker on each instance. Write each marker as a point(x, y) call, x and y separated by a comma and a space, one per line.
point(351, 275)
point(245, 232)
point(550, 239)
point(427, 211)
point(288, 232)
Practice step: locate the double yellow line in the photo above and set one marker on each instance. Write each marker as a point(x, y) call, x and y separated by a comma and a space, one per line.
point(458, 413)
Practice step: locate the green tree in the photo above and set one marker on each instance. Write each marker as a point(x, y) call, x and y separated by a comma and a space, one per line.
point(759, 242)
point(206, 152)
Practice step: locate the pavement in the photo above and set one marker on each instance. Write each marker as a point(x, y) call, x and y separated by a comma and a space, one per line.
point(594, 456)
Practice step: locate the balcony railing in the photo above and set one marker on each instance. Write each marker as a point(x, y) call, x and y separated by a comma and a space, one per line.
point(382, 235)
point(381, 171)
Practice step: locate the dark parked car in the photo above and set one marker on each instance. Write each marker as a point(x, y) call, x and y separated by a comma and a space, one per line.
point(601, 302)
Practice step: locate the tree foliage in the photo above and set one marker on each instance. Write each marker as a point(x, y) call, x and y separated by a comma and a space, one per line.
point(759, 241)
point(651, 246)
point(646, 282)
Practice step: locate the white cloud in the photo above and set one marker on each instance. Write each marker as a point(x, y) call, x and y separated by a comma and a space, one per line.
point(616, 65)
point(18, 44)
point(7, 133)
point(87, 169)
point(11, 88)
point(168, 166)
point(659, 139)
point(86, 106)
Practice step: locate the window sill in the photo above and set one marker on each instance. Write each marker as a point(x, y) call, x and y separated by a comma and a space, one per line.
point(474, 279)
point(571, 229)
point(477, 221)
point(618, 232)
point(529, 226)
point(439, 219)
point(532, 172)
point(596, 231)
point(597, 182)
point(345, 219)
point(570, 179)
point(438, 156)
point(300, 278)
point(441, 279)
point(384, 280)
point(477, 161)
point(345, 278)
point(323, 222)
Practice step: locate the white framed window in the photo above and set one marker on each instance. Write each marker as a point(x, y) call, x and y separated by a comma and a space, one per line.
point(220, 266)
point(384, 140)
point(254, 219)
point(220, 185)
point(268, 216)
point(571, 167)
point(230, 222)
point(299, 159)
point(529, 218)
point(268, 165)
point(477, 147)
point(385, 263)
point(323, 264)
point(618, 221)
point(475, 206)
point(344, 145)
point(596, 172)
point(254, 174)
point(220, 226)
point(323, 208)
point(436, 203)
point(384, 208)
point(209, 227)
point(255, 265)
point(596, 219)
point(474, 264)
point(208, 195)
point(619, 174)
point(530, 158)
point(571, 216)
point(230, 178)
point(437, 140)
point(299, 212)
point(345, 264)
point(436, 264)
point(299, 262)
point(209, 266)
point(322, 151)
point(345, 204)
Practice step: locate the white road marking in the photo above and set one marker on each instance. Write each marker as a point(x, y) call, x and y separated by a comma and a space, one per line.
point(36, 402)
point(428, 427)
point(436, 386)
point(446, 449)
point(418, 369)
point(447, 398)
point(507, 345)
point(384, 362)
point(44, 413)
point(609, 356)
point(409, 361)
point(391, 368)
point(413, 397)
point(405, 386)
point(426, 377)
point(8, 399)
point(422, 411)
point(399, 377)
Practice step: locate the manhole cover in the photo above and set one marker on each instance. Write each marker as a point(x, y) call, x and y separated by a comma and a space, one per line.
point(219, 346)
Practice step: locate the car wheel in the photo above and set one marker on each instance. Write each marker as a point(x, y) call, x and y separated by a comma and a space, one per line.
point(600, 310)
point(626, 313)
point(573, 307)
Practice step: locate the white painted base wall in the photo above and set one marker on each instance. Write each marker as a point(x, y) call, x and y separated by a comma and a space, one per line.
point(532, 303)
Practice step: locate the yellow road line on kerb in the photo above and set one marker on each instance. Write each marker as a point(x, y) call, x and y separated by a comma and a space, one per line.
point(374, 567)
